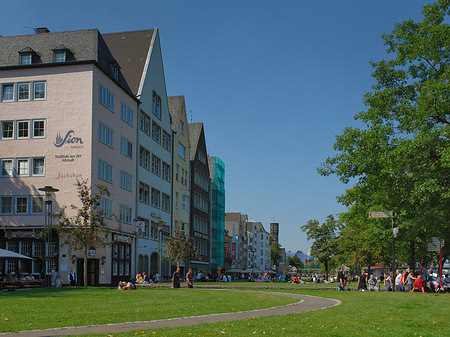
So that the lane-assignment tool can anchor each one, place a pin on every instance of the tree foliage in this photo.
(400, 158)
(294, 261)
(324, 246)
(275, 254)
(87, 227)
(179, 247)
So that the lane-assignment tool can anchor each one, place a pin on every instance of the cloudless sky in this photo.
(273, 82)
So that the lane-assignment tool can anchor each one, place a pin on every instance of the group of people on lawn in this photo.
(408, 280)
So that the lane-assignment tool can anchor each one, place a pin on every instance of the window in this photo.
(176, 199)
(106, 207)
(25, 58)
(125, 214)
(38, 129)
(23, 167)
(116, 73)
(177, 167)
(105, 171)
(156, 165)
(156, 132)
(126, 180)
(8, 130)
(59, 56)
(144, 123)
(166, 141)
(22, 129)
(144, 158)
(21, 205)
(156, 105)
(156, 195)
(106, 98)
(144, 193)
(201, 180)
(7, 167)
(126, 114)
(201, 202)
(37, 205)
(202, 157)
(166, 172)
(183, 202)
(39, 91)
(6, 205)
(23, 91)
(105, 134)
(38, 166)
(184, 177)
(126, 147)
(165, 203)
(181, 151)
(181, 128)
(7, 92)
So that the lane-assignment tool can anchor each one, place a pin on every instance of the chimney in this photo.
(42, 30)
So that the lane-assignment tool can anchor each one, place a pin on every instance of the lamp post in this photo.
(49, 190)
(160, 229)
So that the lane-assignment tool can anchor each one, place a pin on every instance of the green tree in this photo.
(400, 158)
(179, 247)
(87, 228)
(324, 235)
(275, 254)
(294, 261)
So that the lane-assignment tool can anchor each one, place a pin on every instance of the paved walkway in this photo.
(305, 303)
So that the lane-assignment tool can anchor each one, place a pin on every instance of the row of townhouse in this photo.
(80, 104)
(250, 244)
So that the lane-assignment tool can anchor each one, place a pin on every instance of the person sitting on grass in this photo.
(372, 283)
(176, 279)
(126, 286)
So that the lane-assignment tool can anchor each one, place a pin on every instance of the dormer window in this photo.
(28, 56)
(116, 73)
(25, 58)
(61, 54)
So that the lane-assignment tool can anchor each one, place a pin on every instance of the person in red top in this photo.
(420, 285)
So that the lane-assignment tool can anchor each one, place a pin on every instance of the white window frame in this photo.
(3, 130)
(26, 84)
(34, 127)
(11, 210)
(33, 198)
(181, 151)
(26, 168)
(105, 171)
(126, 147)
(4, 85)
(11, 160)
(18, 129)
(33, 163)
(105, 134)
(126, 114)
(35, 91)
(126, 180)
(17, 205)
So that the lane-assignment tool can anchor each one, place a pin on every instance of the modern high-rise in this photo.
(217, 176)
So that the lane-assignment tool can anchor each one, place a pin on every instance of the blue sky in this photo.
(273, 82)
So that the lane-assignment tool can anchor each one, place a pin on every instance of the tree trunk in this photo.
(85, 271)
(326, 270)
(412, 255)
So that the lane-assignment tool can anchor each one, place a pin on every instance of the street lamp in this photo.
(49, 190)
(160, 229)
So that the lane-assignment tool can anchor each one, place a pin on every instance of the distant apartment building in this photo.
(139, 55)
(258, 246)
(217, 176)
(200, 210)
(235, 224)
(180, 166)
(66, 113)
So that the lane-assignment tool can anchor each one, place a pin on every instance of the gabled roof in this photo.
(131, 50)
(195, 130)
(176, 104)
(85, 45)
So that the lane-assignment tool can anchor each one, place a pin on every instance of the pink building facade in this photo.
(62, 120)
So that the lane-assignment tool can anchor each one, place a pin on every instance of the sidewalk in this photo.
(305, 303)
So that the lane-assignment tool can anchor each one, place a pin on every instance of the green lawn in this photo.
(47, 308)
(360, 314)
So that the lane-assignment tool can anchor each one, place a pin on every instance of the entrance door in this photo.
(92, 272)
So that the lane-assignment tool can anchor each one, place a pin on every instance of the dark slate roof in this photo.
(176, 110)
(131, 50)
(195, 130)
(85, 46)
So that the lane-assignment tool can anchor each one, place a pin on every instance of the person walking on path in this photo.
(388, 282)
(189, 278)
(176, 279)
